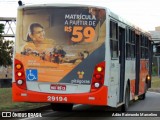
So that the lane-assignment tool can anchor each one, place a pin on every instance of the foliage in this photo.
(6, 103)
(154, 70)
(6, 49)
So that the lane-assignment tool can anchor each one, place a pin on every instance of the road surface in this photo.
(149, 106)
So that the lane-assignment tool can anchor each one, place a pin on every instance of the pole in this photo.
(158, 61)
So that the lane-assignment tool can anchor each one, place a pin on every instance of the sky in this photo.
(142, 13)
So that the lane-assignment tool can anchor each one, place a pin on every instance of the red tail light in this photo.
(98, 76)
(19, 74)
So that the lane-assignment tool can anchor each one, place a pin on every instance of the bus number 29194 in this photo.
(57, 98)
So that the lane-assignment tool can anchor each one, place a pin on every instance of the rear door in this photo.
(122, 62)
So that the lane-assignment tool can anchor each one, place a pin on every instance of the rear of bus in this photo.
(68, 66)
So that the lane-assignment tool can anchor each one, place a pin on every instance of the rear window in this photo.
(54, 40)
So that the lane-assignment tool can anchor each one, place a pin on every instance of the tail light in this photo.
(98, 76)
(19, 74)
(148, 77)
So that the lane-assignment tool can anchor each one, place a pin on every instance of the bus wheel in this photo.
(61, 107)
(126, 101)
(143, 96)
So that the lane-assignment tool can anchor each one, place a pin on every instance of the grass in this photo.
(6, 103)
(155, 84)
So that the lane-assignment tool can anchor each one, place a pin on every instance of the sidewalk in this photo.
(154, 90)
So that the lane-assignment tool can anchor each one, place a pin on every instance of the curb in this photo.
(157, 90)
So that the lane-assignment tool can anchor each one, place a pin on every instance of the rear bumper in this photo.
(98, 97)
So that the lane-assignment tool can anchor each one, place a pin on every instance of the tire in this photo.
(125, 106)
(143, 96)
(61, 107)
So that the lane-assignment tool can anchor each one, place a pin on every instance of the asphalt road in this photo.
(149, 106)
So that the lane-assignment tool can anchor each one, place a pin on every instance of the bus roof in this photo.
(131, 25)
(59, 5)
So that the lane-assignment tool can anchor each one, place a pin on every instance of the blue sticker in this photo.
(32, 74)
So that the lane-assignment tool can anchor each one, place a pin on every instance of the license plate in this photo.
(58, 87)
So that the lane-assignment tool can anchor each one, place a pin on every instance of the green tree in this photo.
(6, 49)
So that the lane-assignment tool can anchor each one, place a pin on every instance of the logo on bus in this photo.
(80, 74)
(32, 74)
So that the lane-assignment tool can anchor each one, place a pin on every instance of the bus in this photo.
(67, 54)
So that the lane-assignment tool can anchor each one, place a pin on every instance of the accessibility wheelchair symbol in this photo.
(32, 74)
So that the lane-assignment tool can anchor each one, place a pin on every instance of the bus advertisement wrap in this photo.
(61, 44)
